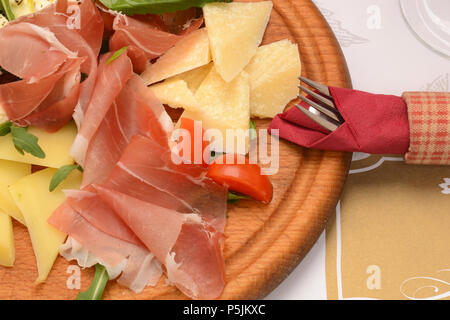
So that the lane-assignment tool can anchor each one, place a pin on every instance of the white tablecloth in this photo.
(384, 55)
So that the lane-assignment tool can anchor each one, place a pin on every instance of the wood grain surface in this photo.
(264, 243)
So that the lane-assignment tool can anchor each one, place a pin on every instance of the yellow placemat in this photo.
(391, 235)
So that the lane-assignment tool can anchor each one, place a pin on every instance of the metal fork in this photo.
(329, 116)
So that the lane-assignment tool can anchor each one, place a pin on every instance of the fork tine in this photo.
(318, 119)
(319, 97)
(320, 108)
(318, 86)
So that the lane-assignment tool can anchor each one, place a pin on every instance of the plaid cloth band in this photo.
(429, 123)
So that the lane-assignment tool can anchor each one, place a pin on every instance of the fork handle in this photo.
(429, 126)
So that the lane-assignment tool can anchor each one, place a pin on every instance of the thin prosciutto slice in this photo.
(111, 79)
(48, 93)
(91, 207)
(47, 36)
(152, 173)
(145, 39)
(135, 111)
(137, 264)
(28, 46)
(189, 249)
(85, 40)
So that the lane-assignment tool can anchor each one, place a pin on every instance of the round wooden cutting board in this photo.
(264, 243)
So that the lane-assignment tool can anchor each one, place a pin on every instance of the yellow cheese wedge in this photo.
(55, 145)
(175, 93)
(273, 72)
(11, 172)
(37, 203)
(189, 53)
(225, 107)
(3, 22)
(21, 7)
(235, 31)
(7, 249)
(194, 78)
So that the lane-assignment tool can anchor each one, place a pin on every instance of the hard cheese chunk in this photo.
(194, 78)
(189, 53)
(55, 145)
(273, 72)
(37, 203)
(224, 107)
(235, 31)
(21, 8)
(7, 250)
(11, 172)
(175, 93)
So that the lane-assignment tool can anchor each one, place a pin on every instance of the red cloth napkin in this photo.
(374, 123)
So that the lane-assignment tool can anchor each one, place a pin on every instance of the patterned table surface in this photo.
(389, 239)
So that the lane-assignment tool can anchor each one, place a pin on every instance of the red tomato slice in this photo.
(241, 177)
(199, 151)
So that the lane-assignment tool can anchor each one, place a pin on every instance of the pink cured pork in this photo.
(141, 268)
(189, 249)
(111, 79)
(171, 206)
(49, 89)
(52, 90)
(85, 39)
(135, 111)
(152, 173)
(144, 38)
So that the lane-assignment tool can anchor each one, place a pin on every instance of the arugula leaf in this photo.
(131, 7)
(95, 291)
(233, 197)
(7, 9)
(253, 134)
(116, 54)
(61, 175)
(5, 128)
(26, 142)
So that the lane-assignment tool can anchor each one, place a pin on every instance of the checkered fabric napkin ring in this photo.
(429, 122)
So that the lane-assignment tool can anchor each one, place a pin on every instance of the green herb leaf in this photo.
(233, 197)
(95, 291)
(5, 128)
(27, 142)
(131, 7)
(116, 54)
(253, 134)
(7, 9)
(61, 175)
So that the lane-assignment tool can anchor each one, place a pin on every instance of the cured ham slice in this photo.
(135, 111)
(92, 208)
(152, 173)
(189, 249)
(46, 104)
(138, 266)
(85, 40)
(111, 79)
(35, 45)
(145, 39)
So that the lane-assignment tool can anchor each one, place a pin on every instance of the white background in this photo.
(385, 56)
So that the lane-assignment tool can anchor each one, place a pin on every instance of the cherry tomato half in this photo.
(241, 177)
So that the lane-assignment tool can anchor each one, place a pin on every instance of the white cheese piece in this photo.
(235, 31)
(225, 108)
(189, 53)
(7, 249)
(31, 194)
(273, 72)
(3, 22)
